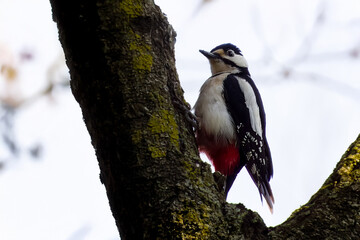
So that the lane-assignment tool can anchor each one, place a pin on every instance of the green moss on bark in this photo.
(131, 8)
(142, 59)
(333, 212)
(350, 170)
(193, 221)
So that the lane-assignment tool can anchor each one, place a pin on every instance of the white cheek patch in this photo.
(238, 60)
(251, 104)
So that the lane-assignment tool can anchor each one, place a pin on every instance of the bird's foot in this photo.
(186, 109)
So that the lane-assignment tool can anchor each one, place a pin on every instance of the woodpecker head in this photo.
(224, 58)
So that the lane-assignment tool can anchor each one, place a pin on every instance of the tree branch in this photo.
(334, 211)
(121, 60)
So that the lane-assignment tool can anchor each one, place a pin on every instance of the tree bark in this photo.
(334, 211)
(121, 60)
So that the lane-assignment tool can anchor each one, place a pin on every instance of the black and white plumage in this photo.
(231, 120)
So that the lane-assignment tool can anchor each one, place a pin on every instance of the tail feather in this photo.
(262, 183)
(265, 190)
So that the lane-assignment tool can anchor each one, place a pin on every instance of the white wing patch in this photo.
(251, 104)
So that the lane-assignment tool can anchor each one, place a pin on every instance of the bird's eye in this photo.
(230, 53)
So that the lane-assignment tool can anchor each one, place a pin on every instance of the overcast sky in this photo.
(304, 58)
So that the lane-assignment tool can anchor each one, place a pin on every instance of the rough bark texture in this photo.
(121, 60)
(334, 211)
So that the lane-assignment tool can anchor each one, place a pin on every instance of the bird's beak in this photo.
(209, 55)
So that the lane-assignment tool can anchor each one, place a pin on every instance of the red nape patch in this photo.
(225, 159)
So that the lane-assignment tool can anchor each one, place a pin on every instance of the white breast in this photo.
(211, 110)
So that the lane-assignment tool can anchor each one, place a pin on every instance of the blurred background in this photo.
(303, 56)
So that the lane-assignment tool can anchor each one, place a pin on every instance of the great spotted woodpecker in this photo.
(231, 120)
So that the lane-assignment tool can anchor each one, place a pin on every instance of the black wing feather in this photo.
(263, 123)
(254, 149)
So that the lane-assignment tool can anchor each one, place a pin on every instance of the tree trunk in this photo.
(121, 60)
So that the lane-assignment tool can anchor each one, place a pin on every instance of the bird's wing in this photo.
(246, 109)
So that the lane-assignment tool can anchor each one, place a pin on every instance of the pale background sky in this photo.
(304, 58)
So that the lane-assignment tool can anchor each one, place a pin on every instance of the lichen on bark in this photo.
(350, 170)
(334, 211)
